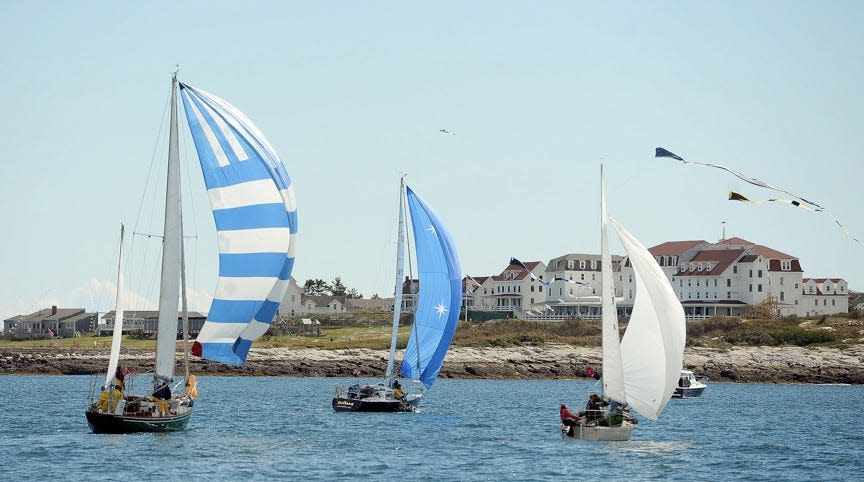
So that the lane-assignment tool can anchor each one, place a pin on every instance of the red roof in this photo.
(763, 251)
(722, 259)
(673, 248)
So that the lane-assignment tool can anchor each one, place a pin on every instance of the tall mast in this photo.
(400, 269)
(613, 376)
(169, 288)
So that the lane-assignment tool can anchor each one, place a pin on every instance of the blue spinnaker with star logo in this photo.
(440, 295)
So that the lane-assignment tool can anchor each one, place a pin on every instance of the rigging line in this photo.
(152, 161)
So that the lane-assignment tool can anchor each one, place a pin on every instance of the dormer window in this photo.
(700, 266)
(785, 265)
(692, 266)
(683, 268)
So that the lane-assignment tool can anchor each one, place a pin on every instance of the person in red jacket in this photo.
(568, 418)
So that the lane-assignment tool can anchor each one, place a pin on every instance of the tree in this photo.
(337, 288)
(316, 287)
(353, 294)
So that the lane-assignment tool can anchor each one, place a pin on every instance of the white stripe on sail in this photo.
(278, 291)
(258, 240)
(292, 248)
(239, 152)
(221, 332)
(221, 158)
(243, 288)
(245, 194)
(289, 199)
(255, 329)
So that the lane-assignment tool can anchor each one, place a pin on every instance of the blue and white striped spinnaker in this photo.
(253, 204)
(440, 297)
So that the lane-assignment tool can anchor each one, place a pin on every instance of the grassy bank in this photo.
(834, 331)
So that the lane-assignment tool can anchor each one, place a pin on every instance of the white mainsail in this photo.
(652, 349)
(397, 293)
(613, 374)
(114, 358)
(169, 290)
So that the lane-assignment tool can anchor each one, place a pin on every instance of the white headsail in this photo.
(652, 349)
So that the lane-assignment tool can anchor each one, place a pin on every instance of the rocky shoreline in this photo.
(738, 364)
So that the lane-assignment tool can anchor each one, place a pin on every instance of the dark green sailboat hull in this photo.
(110, 423)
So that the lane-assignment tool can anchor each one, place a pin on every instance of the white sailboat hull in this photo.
(620, 433)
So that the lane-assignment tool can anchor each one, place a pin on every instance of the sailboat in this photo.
(435, 317)
(253, 205)
(640, 369)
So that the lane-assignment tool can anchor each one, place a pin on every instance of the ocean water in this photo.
(265, 428)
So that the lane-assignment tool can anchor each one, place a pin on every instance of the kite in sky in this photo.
(735, 196)
(661, 152)
(799, 201)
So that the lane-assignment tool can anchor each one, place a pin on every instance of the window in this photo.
(751, 288)
(715, 282)
(593, 277)
(560, 291)
(680, 283)
(781, 281)
(751, 273)
(833, 303)
(782, 296)
(759, 287)
(697, 282)
(532, 288)
(796, 286)
(594, 264)
(728, 282)
(824, 302)
(785, 265)
(759, 273)
(583, 277)
(735, 270)
(700, 266)
(816, 302)
(581, 264)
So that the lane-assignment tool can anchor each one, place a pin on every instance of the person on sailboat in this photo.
(594, 408)
(163, 392)
(568, 418)
(108, 400)
(397, 390)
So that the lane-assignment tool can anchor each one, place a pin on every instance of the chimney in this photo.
(54, 309)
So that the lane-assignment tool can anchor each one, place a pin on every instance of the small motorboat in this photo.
(689, 385)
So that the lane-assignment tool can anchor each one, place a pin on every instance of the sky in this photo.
(536, 96)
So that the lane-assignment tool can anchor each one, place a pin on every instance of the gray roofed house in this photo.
(51, 322)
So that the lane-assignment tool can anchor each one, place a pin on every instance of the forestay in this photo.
(652, 349)
(253, 204)
(440, 297)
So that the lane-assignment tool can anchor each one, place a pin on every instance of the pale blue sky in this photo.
(351, 94)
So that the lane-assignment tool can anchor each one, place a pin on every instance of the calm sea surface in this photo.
(262, 428)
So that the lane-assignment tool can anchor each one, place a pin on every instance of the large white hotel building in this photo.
(729, 278)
